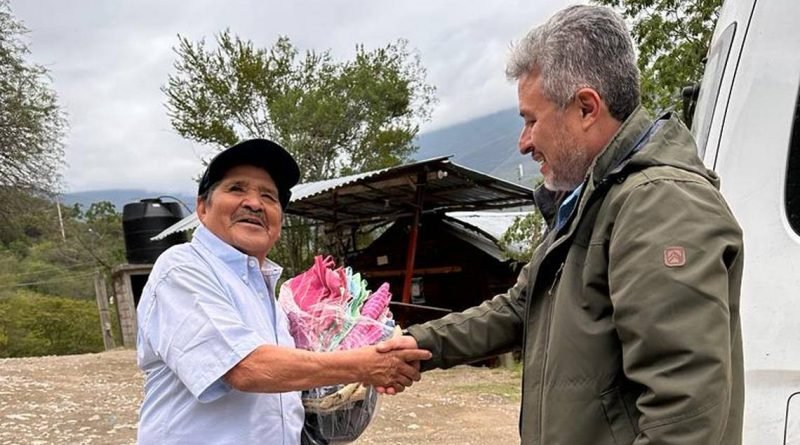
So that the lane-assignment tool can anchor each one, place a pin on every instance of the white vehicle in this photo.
(747, 126)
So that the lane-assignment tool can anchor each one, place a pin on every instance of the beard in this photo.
(568, 166)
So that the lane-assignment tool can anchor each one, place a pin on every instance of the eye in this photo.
(269, 197)
(235, 188)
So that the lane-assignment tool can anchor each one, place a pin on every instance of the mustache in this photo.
(249, 214)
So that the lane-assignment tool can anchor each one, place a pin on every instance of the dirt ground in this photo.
(94, 398)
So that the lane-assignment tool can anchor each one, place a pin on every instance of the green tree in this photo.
(35, 256)
(26, 216)
(335, 117)
(31, 122)
(523, 236)
(672, 37)
(103, 237)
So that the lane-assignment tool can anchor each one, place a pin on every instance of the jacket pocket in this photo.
(619, 420)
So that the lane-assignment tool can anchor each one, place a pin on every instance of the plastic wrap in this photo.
(342, 425)
(332, 309)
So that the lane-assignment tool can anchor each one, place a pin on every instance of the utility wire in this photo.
(31, 283)
(48, 269)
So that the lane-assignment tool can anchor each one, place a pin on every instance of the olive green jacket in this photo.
(628, 317)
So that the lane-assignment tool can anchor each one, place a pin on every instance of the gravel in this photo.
(94, 399)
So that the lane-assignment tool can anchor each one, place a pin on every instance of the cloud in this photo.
(108, 61)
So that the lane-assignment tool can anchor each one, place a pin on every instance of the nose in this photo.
(252, 199)
(525, 143)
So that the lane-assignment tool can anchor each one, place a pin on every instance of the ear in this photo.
(590, 105)
(201, 208)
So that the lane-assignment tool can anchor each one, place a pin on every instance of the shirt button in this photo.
(252, 262)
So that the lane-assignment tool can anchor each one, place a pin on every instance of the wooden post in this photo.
(102, 307)
(411, 253)
(126, 308)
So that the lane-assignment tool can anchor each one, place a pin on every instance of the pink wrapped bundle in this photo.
(318, 283)
(324, 315)
(369, 330)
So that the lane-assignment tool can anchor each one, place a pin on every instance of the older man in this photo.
(220, 364)
(628, 313)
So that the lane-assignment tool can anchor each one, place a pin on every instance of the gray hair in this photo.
(207, 195)
(581, 46)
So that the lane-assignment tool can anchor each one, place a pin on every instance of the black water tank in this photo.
(145, 219)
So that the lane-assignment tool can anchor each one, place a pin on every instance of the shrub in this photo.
(33, 324)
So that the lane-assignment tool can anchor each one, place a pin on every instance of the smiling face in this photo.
(244, 211)
(551, 136)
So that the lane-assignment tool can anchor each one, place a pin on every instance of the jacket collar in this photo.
(613, 154)
(547, 201)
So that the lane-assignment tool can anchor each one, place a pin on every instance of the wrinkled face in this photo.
(551, 136)
(244, 211)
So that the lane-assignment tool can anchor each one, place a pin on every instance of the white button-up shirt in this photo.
(205, 307)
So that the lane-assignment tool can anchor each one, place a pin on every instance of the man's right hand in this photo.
(396, 345)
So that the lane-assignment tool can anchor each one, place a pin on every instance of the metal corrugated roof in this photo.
(187, 223)
(308, 189)
(492, 223)
(483, 229)
(391, 193)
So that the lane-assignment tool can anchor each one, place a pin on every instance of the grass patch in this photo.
(507, 390)
(500, 382)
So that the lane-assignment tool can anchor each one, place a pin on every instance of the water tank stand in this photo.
(123, 277)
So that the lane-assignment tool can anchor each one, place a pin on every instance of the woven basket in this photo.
(345, 396)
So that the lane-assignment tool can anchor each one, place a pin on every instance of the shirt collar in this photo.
(567, 206)
(232, 257)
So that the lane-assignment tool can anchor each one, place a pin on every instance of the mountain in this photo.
(120, 197)
(487, 144)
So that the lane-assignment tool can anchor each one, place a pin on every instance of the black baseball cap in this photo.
(263, 153)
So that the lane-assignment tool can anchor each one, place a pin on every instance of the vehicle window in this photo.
(793, 173)
(709, 89)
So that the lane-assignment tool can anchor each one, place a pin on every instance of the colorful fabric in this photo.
(332, 308)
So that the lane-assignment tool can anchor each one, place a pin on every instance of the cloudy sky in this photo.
(108, 59)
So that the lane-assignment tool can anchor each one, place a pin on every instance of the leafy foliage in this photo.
(47, 296)
(523, 236)
(672, 37)
(334, 117)
(31, 122)
(32, 324)
(98, 231)
(35, 255)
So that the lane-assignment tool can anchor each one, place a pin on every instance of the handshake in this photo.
(393, 365)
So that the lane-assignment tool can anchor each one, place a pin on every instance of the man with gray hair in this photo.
(628, 312)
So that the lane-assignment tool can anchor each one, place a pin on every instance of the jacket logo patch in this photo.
(674, 256)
